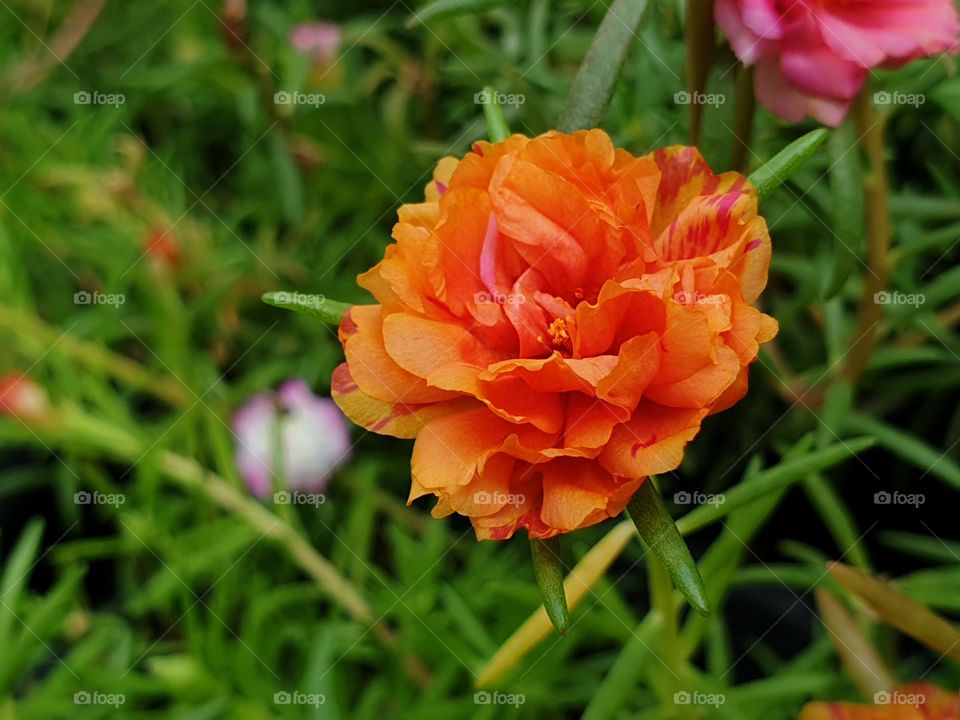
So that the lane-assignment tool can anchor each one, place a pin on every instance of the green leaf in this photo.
(593, 86)
(767, 481)
(909, 448)
(660, 534)
(627, 671)
(41, 622)
(775, 172)
(330, 311)
(933, 549)
(898, 610)
(549, 573)
(289, 184)
(15, 576)
(846, 183)
(838, 519)
(837, 406)
(449, 8)
(497, 129)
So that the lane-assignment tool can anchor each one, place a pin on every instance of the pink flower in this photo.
(320, 40)
(313, 434)
(22, 398)
(812, 56)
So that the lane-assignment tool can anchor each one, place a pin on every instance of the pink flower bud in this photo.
(22, 398)
(320, 40)
(313, 437)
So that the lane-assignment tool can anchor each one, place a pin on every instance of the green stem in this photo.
(665, 606)
(497, 128)
(745, 106)
(870, 128)
(700, 42)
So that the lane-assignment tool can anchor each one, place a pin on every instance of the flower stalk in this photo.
(745, 106)
(700, 45)
(871, 128)
(497, 128)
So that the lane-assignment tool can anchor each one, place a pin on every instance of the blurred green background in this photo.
(187, 607)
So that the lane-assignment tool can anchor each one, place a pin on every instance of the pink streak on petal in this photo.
(488, 255)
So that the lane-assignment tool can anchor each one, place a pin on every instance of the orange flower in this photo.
(554, 323)
(918, 701)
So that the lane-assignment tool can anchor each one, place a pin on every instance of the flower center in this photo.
(560, 333)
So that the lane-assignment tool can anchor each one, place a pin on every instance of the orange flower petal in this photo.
(396, 419)
(372, 368)
(652, 441)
